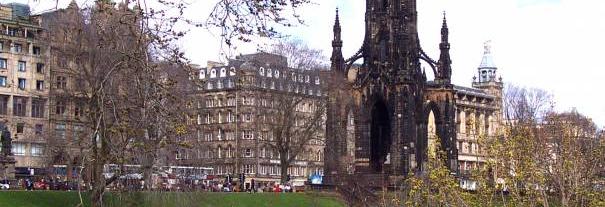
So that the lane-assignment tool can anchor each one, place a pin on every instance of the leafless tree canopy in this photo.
(299, 55)
(525, 104)
(244, 19)
(122, 66)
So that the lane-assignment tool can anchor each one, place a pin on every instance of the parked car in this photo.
(41, 185)
(4, 185)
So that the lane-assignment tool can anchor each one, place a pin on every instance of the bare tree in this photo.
(117, 59)
(245, 19)
(525, 104)
(295, 119)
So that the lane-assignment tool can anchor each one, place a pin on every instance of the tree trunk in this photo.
(98, 184)
(284, 166)
(147, 171)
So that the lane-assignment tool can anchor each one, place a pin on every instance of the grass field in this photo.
(168, 199)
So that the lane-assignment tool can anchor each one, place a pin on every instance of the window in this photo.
(210, 86)
(78, 110)
(3, 63)
(18, 149)
(317, 80)
(248, 169)
(19, 104)
(223, 72)
(38, 129)
(21, 83)
(17, 48)
(247, 101)
(261, 71)
(232, 71)
(4, 104)
(37, 150)
(231, 101)
(248, 152)
(247, 135)
(229, 136)
(307, 79)
(36, 50)
(3, 81)
(61, 82)
(230, 117)
(269, 72)
(60, 107)
(78, 132)
(20, 128)
(219, 84)
(40, 85)
(276, 73)
(209, 137)
(39, 67)
(202, 74)
(213, 73)
(60, 131)
(220, 134)
(38, 108)
(247, 117)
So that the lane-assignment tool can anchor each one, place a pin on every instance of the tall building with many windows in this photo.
(228, 106)
(24, 86)
(478, 116)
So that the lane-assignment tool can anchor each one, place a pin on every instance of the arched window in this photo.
(220, 152)
(202, 74)
(276, 73)
(213, 73)
(223, 72)
(232, 71)
(261, 71)
(307, 79)
(269, 72)
(316, 80)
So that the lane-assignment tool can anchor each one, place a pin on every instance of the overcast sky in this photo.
(555, 45)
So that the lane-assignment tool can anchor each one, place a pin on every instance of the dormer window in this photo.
(202, 74)
(223, 72)
(232, 71)
(213, 73)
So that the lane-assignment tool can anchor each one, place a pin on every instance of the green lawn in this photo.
(169, 199)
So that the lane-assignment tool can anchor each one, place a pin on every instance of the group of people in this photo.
(250, 188)
(44, 184)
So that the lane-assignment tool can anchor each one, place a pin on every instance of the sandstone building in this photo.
(24, 87)
(228, 107)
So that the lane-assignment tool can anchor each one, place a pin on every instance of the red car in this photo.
(41, 185)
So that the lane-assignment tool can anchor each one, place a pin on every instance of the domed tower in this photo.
(488, 79)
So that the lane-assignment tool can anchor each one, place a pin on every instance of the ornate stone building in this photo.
(388, 99)
(228, 108)
(24, 80)
(382, 114)
(478, 116)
